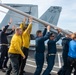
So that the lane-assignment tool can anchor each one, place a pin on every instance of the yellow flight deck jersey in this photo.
(16, 44)
(22, 25)
(26, 35)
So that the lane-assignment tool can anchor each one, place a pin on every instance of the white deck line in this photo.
(59, 60)
(44, 63)
(35, 67)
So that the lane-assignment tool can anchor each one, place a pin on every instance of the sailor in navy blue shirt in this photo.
(72, 56)
(40, 48)
(4, 45)
(51, 52)
(65, 49)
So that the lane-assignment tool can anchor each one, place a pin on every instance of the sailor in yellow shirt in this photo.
(15, 51)
(26, 42)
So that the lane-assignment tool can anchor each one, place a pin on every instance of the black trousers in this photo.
(71, 64)
(50, 64)
(64, 67)
(39, 58)
(4, 56)
(23, 61)
(9, 69)
(14, 59)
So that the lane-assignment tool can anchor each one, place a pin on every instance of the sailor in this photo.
(9, 69)
(4, 45)
(71, 62)
(15, 51)
(26, 30)
(40, 48)
(65, 48)
(51, 52)
(26, 43)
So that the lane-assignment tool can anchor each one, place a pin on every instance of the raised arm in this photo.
(5, 28)
(58, 36)
(22, 25)
(29, 28)
(47, 35)
(11, 32)
(44, 32)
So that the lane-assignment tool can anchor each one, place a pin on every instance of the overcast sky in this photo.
(67, 18)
